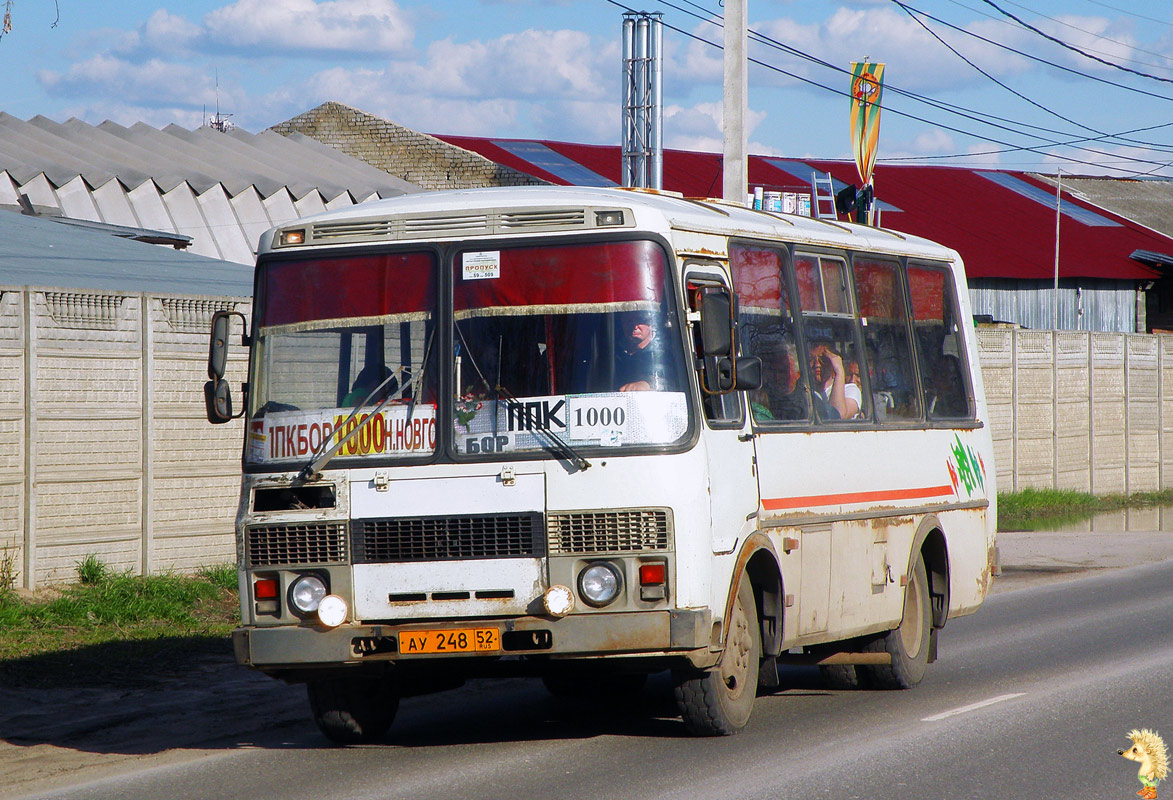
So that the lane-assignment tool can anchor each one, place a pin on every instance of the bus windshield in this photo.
(336, 334)
(551, 346)
(573, 342)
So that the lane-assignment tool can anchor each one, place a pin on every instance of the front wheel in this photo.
(353, 709)
(718, 701)
(908, 644)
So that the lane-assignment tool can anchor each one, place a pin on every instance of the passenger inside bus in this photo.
(370, 378)
(835, 396)
(780, 397)
(640, 365)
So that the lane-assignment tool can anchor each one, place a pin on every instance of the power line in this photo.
(1012, 147)
(1073, 48)
(1130, 13)
(1101, 134)
(1061, 67)
(1098, 36)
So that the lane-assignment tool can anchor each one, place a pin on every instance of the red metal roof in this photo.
(1002, 222)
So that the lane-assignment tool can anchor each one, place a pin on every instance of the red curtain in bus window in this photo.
(380, 287)
(810, 294)
(927, 287)
(757, 279)
(544, 280)
(877, 289)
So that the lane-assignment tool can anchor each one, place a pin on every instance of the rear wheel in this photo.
(718, 701)
(908, 644)
(353, 709)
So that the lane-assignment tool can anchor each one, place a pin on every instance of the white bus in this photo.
(593, 434)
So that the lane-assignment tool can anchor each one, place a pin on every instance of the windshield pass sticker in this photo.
(284, 435)
(482, 265)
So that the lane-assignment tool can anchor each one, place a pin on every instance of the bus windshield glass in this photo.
(338, 334)
(567, 344)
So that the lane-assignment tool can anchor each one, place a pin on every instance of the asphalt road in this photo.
(1031, 697)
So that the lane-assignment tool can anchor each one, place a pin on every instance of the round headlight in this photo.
(306, 592)
(599, 583)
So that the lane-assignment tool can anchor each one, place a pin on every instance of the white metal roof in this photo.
(221, 189)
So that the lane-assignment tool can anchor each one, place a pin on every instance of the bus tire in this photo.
(718, 701)
(840, 677)
(907, 644)
(353, 709)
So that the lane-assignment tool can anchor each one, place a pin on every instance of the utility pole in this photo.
(735, 183)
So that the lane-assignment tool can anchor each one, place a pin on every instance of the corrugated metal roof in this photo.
(35, 251)
(1001, 232)
(221, 189)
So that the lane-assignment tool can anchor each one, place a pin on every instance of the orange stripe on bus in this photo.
(778, 503)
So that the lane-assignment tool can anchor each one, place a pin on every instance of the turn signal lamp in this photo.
(265, 589)
(293, 237)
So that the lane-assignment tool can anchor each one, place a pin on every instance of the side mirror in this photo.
(717, 321)
(218, 345)
(218, 401)
(744, 374)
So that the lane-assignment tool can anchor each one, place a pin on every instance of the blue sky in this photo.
(551, 70)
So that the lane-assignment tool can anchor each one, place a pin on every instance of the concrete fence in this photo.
(104, 447)
(1080, 410)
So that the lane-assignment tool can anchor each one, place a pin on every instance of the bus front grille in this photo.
(618, 531)
(300, 543)
(395, 539)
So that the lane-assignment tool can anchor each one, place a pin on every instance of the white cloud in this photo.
(153, 84)
(343, 26)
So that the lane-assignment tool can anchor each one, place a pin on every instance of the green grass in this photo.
(121, 625)
(1034, 509)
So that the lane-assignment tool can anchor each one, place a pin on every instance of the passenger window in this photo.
(940, 347)
(891, 378)
(832, 349)
(767, 331)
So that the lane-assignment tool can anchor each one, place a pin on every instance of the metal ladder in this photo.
(822, 180)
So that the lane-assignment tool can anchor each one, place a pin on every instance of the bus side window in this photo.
(940, 348)
(879, 292)
(835, 364)
(767, 331)
(721, 410)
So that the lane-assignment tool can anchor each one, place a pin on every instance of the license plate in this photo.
(456, 640)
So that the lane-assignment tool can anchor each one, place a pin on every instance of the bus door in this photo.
(729, 449)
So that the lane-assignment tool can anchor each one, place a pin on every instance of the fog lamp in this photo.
(558, 600)
(599, 583)
(332, 611)
(306, 593)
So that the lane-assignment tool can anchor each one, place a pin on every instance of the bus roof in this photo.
(542, 210)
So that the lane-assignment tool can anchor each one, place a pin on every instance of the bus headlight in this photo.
(599, 583)
(306, 593)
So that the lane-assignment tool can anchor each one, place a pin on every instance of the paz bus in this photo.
(588, 435)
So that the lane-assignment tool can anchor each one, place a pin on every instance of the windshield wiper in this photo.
(319, 459)
(550, 440)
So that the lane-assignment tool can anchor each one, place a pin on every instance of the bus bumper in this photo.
(628, 633)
